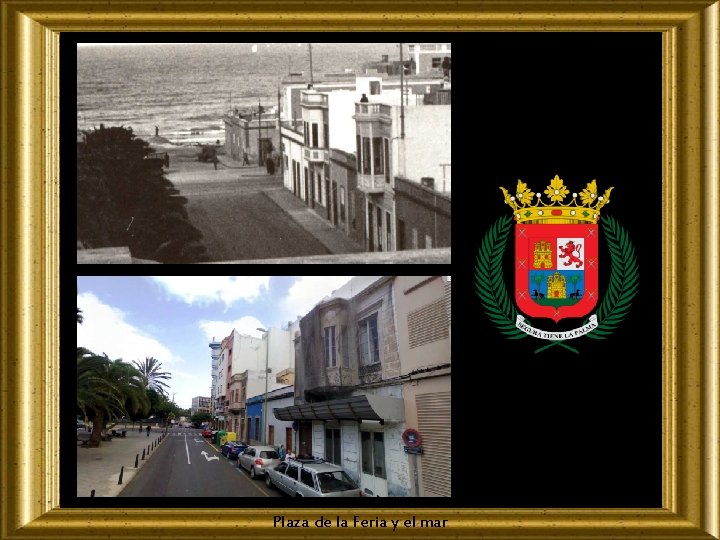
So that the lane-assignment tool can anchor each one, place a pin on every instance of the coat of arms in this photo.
(557, 265)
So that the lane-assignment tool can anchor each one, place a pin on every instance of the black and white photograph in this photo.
(272, 152)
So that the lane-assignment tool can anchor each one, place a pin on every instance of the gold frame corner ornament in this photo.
(29, 260)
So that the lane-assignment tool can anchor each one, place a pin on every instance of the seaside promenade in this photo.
(99, 468)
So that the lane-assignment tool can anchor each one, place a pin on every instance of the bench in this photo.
(84, 437)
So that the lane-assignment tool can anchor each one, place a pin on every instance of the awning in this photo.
(367, 407)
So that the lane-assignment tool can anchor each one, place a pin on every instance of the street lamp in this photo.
(267, 354)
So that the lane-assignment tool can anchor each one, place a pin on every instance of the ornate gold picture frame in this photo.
(29, 262)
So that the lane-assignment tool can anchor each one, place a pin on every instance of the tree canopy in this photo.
(124, 199)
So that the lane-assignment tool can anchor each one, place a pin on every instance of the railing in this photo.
(372, 108)
(314, 154)
(371, 183)
(314, 98)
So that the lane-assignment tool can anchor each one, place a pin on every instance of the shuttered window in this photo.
(428, 323)
(434, 424)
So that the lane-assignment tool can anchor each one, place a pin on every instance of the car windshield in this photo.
(269, 454)
(335, 481)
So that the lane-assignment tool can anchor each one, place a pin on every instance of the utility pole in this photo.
(311, 69)
(282, 161)
(264, 408)
(402, 95)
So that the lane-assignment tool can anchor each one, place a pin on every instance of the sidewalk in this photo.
(330, 237)
(99, 468)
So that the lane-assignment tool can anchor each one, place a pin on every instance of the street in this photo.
(187, 465)
(236, 219)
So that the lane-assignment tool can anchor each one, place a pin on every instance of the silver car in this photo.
(311, 478)
(256, 459)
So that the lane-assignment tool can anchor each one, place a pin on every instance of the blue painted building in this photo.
(254, 413)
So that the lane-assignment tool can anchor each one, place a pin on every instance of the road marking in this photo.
(187, 451)
(204, 453)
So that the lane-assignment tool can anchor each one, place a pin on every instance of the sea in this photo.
(185, 88)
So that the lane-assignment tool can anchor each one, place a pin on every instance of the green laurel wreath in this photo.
(614, 307)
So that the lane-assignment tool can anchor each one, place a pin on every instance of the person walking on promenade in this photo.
(147, 429)
(215, 162)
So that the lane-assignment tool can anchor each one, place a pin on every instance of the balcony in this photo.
(317, 155)
(371, 183)
(237, 407)
(372, 111)
(314, 99)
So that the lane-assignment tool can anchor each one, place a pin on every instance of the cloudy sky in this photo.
(174, 318)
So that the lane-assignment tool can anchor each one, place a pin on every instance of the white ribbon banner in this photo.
(556, 336)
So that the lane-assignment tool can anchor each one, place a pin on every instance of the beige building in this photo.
(422, 314)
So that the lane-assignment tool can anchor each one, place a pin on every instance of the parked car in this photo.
(256, 459)
(207, 433)
(311, 478)
(231, 449)
(237, 449)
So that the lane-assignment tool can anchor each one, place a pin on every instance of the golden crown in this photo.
(528, 207)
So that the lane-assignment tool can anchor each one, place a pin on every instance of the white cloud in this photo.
(206, 290)
(306, 292)
(105, 330)
(221, 329)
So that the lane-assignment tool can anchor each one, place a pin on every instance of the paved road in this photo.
(186, 465)
(237, 219)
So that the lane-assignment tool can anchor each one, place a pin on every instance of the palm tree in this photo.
(108, 388)
(574, 278)
(151, 375)
(538, 278)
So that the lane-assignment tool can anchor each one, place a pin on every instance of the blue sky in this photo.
(174, 318)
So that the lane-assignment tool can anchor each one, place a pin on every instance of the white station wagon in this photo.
(311, 478)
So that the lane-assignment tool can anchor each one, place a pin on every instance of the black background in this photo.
(553, 429)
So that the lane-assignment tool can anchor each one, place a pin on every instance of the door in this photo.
(305, 442)
(371, 245)
(271, 436)
(288, 438)
(373, 472)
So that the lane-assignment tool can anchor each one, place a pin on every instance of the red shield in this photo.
(556, 269)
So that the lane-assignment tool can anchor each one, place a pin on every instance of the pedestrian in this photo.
(147, 429)
(215, 162)
(246, 161)
(446, 67)
(289, 455)
(167, 161)
(364, 99)
(270, 165)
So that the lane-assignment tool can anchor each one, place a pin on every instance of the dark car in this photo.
(231, 449)
(237, 449)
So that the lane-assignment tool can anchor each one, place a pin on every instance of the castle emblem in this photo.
(557, 264)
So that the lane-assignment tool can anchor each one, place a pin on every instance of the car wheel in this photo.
(252, 473)
(268, 481)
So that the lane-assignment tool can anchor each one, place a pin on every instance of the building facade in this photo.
(422, 312)
(348, 396)
(200, 404)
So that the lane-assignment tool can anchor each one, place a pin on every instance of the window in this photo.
(358, 161)
(437, 62)
(319, 187)
(373, 453)
(292, 471)
(379, 235)
(378, 156)
(305, 133)
(314, 135)
(342, 204)
(330, 349)
(428, 241)
(368, 340)
(366, 156)
(332, 446)
(344, 342)
(326, 135)
(374, 88)
(387, 161)
(388, 231)
(306, 478)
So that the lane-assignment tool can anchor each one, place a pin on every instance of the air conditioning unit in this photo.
(428, 182)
